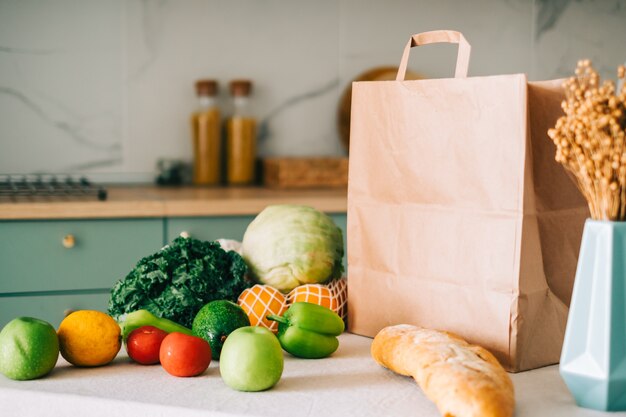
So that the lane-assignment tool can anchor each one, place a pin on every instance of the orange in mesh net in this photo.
(261, 300)
(332, 295)
(339, 288)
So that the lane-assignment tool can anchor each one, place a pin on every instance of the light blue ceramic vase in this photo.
(593, 360)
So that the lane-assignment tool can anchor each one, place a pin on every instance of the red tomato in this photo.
(184, 355)
(143, 344)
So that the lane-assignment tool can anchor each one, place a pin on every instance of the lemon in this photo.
(89, 338)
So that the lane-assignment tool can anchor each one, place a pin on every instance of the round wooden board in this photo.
(374, 74)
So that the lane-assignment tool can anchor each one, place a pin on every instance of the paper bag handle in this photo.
(438, 36)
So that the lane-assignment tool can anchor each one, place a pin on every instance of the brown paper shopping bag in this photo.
(459, 219)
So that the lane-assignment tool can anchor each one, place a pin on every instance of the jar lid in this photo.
(240, 87)
(206, 87)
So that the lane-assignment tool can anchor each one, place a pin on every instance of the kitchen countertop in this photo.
(347, 384)
(152, 201)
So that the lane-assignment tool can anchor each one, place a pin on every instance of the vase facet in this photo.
(593, 360)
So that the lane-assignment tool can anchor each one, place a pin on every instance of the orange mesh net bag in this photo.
(261, 300)
(333, 295)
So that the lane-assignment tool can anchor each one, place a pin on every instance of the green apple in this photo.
(29, 348)
(251, 359)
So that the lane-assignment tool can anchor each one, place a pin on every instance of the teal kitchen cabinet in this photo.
(340, 220)
(56, 255)
(50, 307)
(207, 228)
(51, 267)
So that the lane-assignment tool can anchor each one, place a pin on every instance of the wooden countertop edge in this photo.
(153, 207)
(81, 210)
(249, 206)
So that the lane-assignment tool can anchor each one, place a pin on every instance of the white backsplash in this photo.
(106, 87)
(62, 85)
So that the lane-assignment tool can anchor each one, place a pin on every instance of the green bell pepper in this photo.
(309, 330)
(141, 318)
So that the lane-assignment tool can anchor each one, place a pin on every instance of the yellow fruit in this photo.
(339, 288)
(333, 295)
(261, 300)
(89, 338)
(315, 294)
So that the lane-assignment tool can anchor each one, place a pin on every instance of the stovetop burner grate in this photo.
(48, 185)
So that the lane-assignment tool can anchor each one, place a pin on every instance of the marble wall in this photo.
(106, 87)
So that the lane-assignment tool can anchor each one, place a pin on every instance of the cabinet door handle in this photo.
(69, 241)
(185, 234)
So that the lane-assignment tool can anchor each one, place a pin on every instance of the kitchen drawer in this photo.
(208, 228)
(232, 227)
(51, 308)
(33, 256)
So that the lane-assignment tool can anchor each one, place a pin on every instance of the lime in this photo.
(29, 348)
(216, 320)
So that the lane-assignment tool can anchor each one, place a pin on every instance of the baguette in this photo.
(462, 380)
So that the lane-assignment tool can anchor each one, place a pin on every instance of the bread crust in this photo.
(462, 380)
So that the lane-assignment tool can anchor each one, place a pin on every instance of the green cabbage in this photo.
(289, 245)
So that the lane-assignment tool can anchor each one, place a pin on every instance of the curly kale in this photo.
(179, 279)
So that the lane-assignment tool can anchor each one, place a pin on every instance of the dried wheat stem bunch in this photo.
(590, 137)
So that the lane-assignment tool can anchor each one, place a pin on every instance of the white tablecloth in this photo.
(347, 384)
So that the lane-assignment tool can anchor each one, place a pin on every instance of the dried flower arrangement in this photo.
(590, 140)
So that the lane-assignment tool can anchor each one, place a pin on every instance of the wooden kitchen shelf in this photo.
(150, 201)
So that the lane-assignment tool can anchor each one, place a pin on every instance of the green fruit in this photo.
(216, 320)
(252, 359)
(29, 348)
